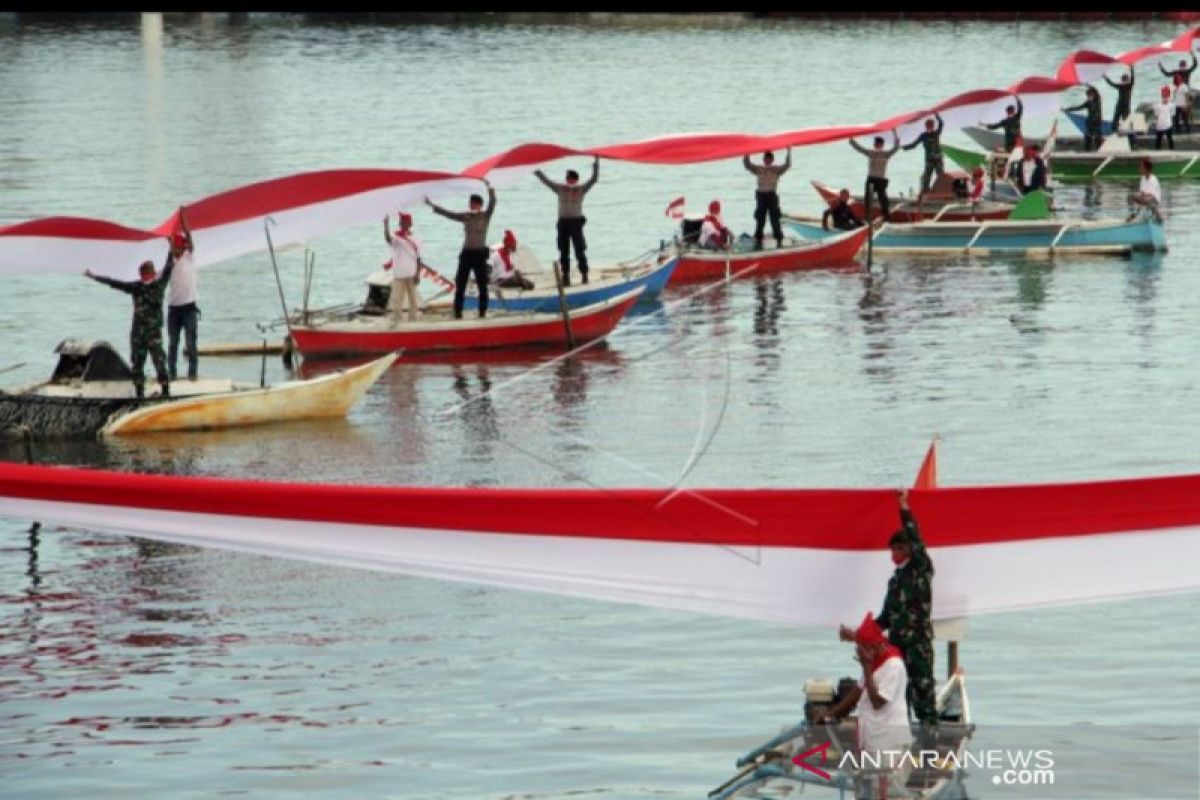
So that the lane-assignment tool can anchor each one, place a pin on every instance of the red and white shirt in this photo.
(406, 255)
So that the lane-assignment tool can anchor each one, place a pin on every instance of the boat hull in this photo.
(906, 209)
(324, 396)
(377, 335)
(1028, 237)
(1081, 167)
(605, 284)
(836, 250)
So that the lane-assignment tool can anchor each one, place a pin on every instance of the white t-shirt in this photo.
(182, 288)
(1027, 168)
(500, 270)
(709, 231)
(1164, 114)
(885, 728)
(1183, 96)
(1150, 185)
(405, 255)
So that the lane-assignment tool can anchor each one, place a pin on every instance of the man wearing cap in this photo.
(145, 334)
(907, 613)
(879, 703)
(503, 265)
(713, 233)
(474, 255)
(182, 311)
(766, 195)
(406, 267)
(571, 219)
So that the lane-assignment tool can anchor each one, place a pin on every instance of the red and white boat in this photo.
(359, 333)
(941, 204)
(697, 265)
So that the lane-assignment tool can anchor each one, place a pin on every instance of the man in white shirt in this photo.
(713, 233)
(503, 265)
(406, 267)
(880, 705)
(1164, 120)
(182, 311)
(1149, 193)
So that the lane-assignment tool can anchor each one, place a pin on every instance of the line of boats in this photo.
(90, 391)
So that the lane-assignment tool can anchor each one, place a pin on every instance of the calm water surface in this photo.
(130, 666)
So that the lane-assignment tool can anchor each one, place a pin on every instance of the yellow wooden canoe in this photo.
(329, 395)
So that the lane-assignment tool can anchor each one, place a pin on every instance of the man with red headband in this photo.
(145, 334)
(406, 267)
(571, 219)
(879, 703)
(907, 613)
(1164, 119)
(182, 311)
(713, 233)
(503, 264)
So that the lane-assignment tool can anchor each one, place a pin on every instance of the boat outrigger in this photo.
(827, 755)
(91, 393)
(1113, 161)
(946, 201)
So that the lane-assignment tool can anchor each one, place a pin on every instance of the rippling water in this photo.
(130, 666)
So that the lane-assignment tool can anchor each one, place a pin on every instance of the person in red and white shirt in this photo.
(503, 264)
(713, 233)
(406, 267)
(879, 703)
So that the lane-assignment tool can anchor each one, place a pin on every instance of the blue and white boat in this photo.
(1006, 237)
(604, 284)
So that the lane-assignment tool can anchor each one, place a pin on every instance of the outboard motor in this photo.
(690, 229)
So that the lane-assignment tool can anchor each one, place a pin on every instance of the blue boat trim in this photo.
(545, 298)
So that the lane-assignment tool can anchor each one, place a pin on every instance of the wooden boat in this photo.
(91, 393)
(604, 283)
(941, 203)
(771, 770)
(355, 333)
(1100, 165)
(696, 264)
(1006, 237)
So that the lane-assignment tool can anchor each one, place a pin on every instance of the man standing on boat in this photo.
(1011, 124)
(182, 311)
(473, 258)
(877, 161)
(1124, 95)
(879, 704)
(1184, 70)
(931, 139)
(571, 219)
(907, 613)
(766, 195)
(406, 267)
(145, 334)
(1091, 130)
(1164, 119)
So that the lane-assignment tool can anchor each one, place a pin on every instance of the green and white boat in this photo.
(1122, 165)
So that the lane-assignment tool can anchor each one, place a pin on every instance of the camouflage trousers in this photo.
(922, 688)
(144, 342)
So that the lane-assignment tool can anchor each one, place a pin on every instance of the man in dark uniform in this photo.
(907, 613)
(473, 258)
(931, 139)
(571, 219)
(1124, 96)
(766, 195)
(1091, 131)
(145, 334)
(842, 215)
(1183, 70)
(1011, 125)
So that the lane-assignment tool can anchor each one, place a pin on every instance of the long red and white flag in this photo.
(73, 244)
(803, 556)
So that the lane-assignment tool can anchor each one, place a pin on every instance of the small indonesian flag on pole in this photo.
(927, 475)
(437, 277)
(675, 208)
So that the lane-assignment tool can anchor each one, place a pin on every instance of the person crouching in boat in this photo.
(907, 613)
(473, 258)
(1011, 125)
(503, 265)
(1095, 113)
(1031, 172)
(766, 195)
(406, 267)
(931, 139)
(880, 705)
(145, 333)
(713, 233)
(840, 212)
(1148, 195)
(877, 161)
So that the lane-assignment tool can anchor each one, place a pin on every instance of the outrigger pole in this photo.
(287, 319)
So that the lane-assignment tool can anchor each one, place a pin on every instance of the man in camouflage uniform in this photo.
(907, 613)
(145, 334)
